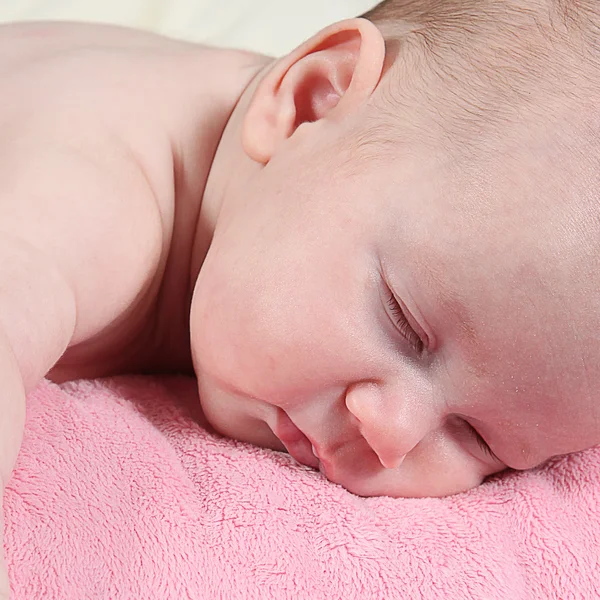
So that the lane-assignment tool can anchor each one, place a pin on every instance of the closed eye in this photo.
(482, 443)
(402, 324)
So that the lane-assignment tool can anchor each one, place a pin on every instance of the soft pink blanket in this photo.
(120, 493)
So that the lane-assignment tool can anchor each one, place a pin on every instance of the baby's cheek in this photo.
(215, 351)
(231, 342)
(438, 466)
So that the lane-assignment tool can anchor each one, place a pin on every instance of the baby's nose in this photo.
(391, 425)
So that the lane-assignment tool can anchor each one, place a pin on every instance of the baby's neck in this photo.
(229, 162)
(223, 76)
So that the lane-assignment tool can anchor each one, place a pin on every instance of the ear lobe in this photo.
(329, 75)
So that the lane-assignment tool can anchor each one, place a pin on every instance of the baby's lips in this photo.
(296, 443)
(301, 451)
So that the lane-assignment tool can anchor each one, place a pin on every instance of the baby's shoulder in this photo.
(104, 91)
(107, 135)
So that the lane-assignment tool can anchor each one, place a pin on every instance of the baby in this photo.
(379, 252)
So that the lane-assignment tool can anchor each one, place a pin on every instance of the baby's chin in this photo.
(363, 475)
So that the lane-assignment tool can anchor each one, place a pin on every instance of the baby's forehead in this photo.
(541, 164)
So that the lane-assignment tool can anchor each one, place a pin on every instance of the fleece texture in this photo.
(121, 493)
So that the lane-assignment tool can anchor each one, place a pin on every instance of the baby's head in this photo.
(404, 266)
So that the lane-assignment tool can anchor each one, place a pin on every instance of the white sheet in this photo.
(269, 26)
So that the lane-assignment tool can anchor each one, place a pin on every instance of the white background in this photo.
(269, 26)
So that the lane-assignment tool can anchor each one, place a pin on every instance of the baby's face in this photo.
(402, 314)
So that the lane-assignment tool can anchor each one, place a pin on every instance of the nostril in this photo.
(388, 460)
(366, 406)
(391, 462)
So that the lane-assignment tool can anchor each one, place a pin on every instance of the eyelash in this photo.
(482, 443)
(404, 326)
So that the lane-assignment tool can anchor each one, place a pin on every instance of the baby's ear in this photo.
(329, 75)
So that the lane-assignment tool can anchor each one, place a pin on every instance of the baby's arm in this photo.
(37, 318)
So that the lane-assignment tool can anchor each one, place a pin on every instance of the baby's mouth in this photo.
(295, 442)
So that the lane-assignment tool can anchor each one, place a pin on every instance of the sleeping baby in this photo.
(378, 253)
